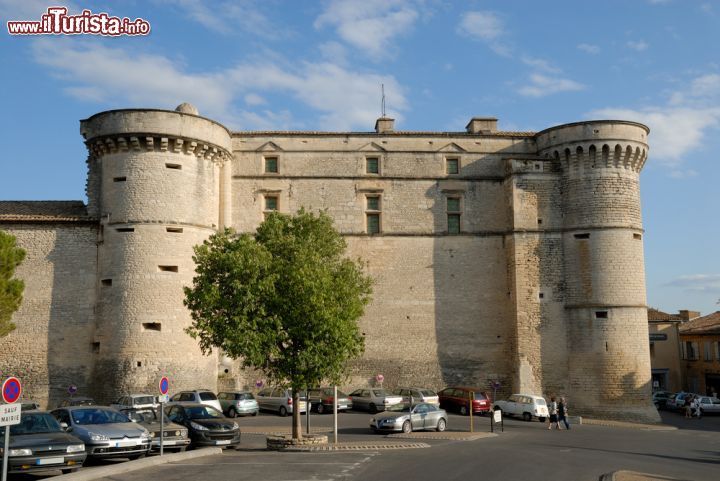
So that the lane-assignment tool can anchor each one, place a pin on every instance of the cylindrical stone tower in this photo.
(605, 302)
(155, 182)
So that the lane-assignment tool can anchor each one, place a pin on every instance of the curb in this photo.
(360, 446)
(128, 466)
(445, 436)
(623, 475)
(627, 424)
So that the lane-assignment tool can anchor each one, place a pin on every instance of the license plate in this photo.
(342, 406)
(59, 460)
(220, 443)
(123, 444)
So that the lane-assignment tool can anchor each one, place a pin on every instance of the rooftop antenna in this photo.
(382, 106)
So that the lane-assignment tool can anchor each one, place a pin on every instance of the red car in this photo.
(458, 399)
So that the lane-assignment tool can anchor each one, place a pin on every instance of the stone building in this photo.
(667, 372)
(700, 351)
(497, 256)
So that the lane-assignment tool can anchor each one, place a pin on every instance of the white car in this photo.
(135, 401)
(709, 405)
(374, 399)
(525, 405)
(202, 396)
(278, 399)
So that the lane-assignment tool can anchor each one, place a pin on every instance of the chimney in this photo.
(481, 125)
(384, 125)
(687, 315)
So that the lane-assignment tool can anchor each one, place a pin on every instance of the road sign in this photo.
(72, 389)
(11, 390)
(164, 385)
(380, 378)
(9, 414)
(163, 398)
(258, 383)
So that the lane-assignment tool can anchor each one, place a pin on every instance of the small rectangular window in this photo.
(152, 326)
(373, 223)
(452, 166)
(372, 165)
(271, 165)
(453, 223)
(708, 351)
(168, 268)
(106, 282)
(271, 202)
(637, 236)
(173, 166)
(601, 314)
(119, 179)
(175, 230)
(373, 203)
(95, 347)
(582, 236)
(125, 229)
(453, 204)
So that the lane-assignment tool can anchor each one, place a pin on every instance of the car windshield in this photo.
(380, 393)
(203, 412)
(144, 415)
(207, 396)
(540, 402)
(98, 416)
(480, 396)
(35, 423)
(243, 396)
(428, 392)
(400, 407)
(144, 400)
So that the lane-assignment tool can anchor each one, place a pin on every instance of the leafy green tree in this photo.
(11, 290)
(285, 301)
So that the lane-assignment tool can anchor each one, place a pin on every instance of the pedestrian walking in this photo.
(553, 408)
(688, 406)
(695, 406)
(562, 413)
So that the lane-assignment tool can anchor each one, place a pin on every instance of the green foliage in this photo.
(11, 290)
(285, 301)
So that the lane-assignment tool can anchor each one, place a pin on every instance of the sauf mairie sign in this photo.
(9, 414)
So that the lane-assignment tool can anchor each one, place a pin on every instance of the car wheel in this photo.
(407, 427)
(320, 408)
(232, 413)
(463, 410)
(282, 411)
(373, 408)
(255, 413)
(527, 417)
(442, 424)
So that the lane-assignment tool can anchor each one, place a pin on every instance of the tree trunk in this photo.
(296, 426)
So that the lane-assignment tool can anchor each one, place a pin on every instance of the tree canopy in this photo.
(11, 290)
(285, 301)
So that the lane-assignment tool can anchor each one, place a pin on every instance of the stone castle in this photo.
(509, 257)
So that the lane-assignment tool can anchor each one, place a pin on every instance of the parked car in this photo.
(135, 401)
(660, 399)
(321, 399)
(206, 425)
(39, 443)
(278, 399)
(677, 401)
(458, 399)
(30, 406)
(405, 418)
(526, 406)
(373, 399)
(709, 405)
(77, 401)
(201, 396)
(106, 432)
(418, 395)
(174, 436)
(236, 403)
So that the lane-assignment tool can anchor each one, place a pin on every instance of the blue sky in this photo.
(271, 64)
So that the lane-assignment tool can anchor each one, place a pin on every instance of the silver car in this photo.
(404, 418)
(278, 399)
(709, 405)
(418, 395)
(106, 432)
(238, 403)
(174, 436)
(373, 399)
(202, 396)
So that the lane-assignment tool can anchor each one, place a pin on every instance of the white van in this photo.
(525, 405)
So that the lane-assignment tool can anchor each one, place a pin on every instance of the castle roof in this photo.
(397, 133)
(658, 315)
(18, 211)
(709, 324)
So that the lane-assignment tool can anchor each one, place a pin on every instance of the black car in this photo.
(38, 443)
(206, 425)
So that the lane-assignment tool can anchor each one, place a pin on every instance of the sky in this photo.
(318, 65)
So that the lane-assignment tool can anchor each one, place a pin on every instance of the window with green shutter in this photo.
(271, 165)
(373, 223)
(452, 166)
(372, 165)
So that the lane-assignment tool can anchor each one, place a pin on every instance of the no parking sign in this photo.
(11, 390)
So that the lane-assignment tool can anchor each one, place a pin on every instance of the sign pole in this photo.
(472, 396)
(164, 388)
(335, 415)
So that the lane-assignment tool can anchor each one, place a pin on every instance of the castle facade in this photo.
(507, 257)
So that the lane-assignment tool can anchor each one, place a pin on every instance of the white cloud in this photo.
(370, 25)
(640, 45)
(589, 48)
(229, 16)
(344, 99)
(697, 282)
(334, 52)
(540, 64)
(680, 126)
(542, 85)
(484, 26)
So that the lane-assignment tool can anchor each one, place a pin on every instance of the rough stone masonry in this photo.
(514, 257)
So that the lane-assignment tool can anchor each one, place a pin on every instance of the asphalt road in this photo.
(523, 451)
